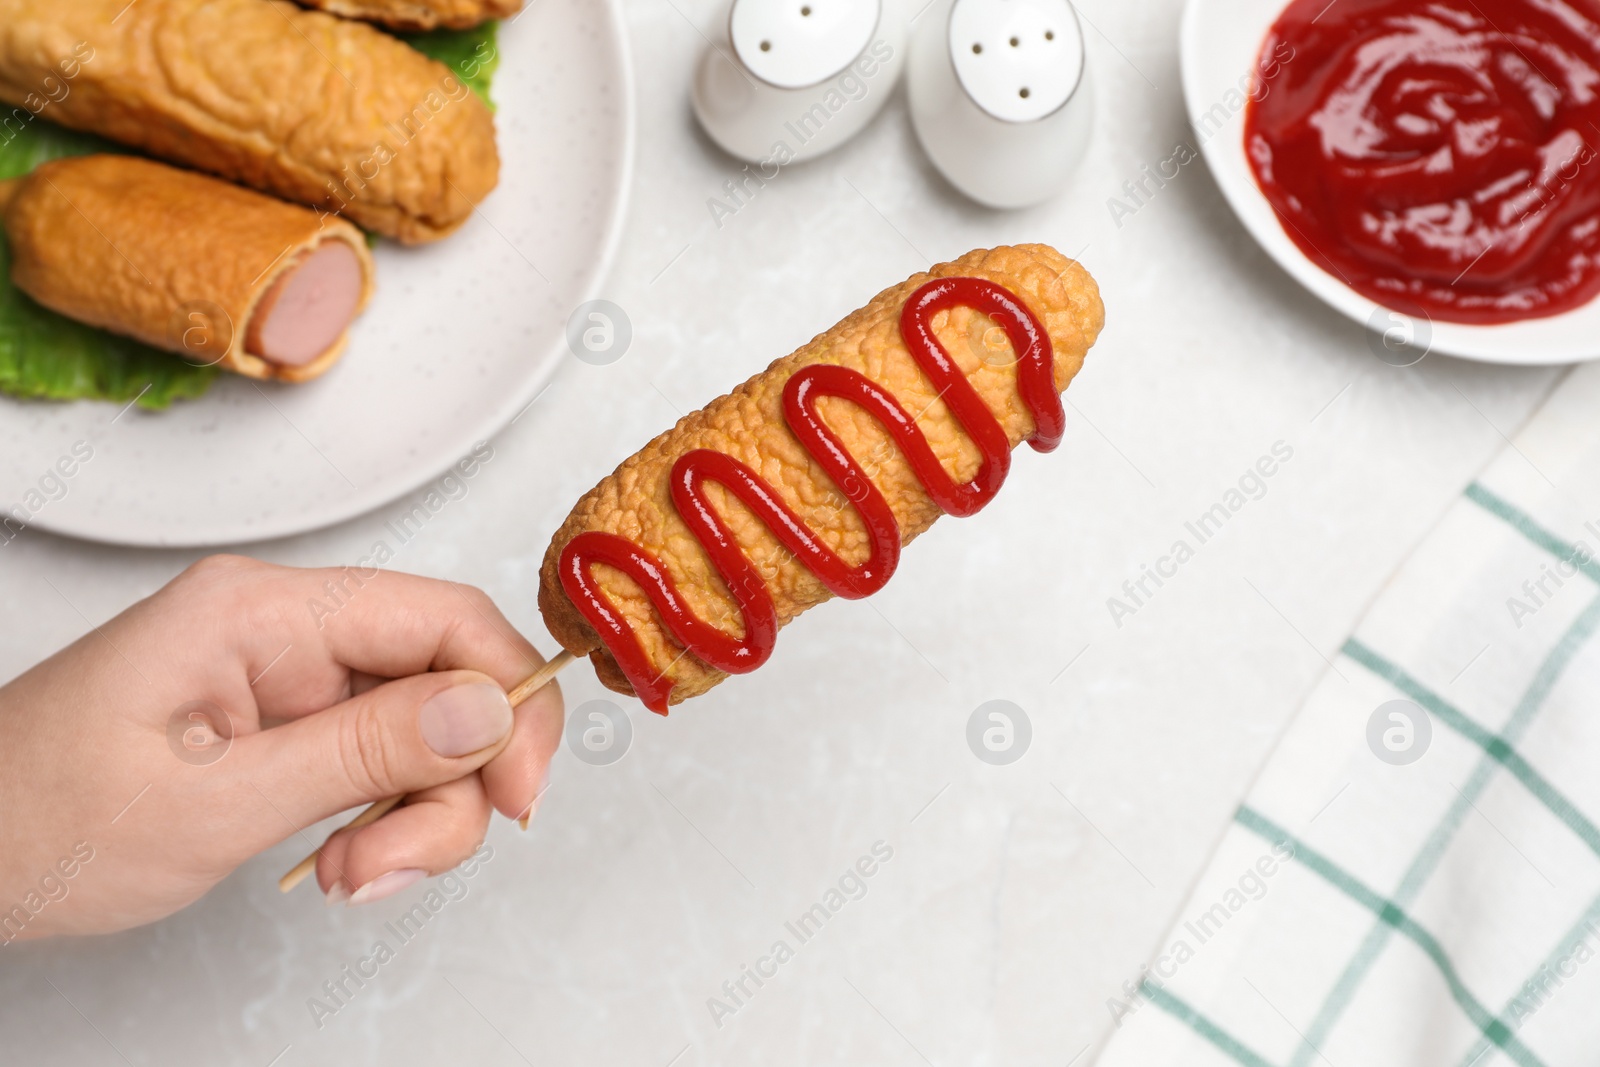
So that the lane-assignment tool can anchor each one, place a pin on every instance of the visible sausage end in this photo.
(308, 307)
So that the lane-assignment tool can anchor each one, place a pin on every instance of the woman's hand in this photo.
(241, 704)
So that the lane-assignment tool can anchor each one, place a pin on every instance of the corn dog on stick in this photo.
(303, 105)
(420, 14)
(804, 482)
(197, 266)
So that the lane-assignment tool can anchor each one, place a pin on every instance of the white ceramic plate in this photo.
(1220, 42)
(460, 337)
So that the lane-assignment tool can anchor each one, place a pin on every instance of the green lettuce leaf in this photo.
(46, 356)
(472, 54)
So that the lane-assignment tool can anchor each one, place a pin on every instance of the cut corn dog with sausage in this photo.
(804, 482)
(309, 107)
(184, 262)
(413, 15)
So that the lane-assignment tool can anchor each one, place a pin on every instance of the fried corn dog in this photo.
(806, 480)
(420, 14)
(309, 107)
(197, 266)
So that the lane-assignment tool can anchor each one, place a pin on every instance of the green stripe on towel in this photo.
(1438, 842)
(1394, 915)
(1226, 1042)
(1496, 746)
(1524, 524)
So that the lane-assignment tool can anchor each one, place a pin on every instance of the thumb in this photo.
(403, 736)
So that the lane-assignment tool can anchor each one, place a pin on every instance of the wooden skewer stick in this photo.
(529, 686)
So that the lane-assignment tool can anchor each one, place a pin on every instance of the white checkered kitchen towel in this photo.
(1414, 878)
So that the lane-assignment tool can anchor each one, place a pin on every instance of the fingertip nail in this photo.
(465, 719)
(338, 893)
(387, 885)
(533, 805)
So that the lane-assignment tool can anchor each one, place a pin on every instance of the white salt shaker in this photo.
(791, 79)
(1000, 96)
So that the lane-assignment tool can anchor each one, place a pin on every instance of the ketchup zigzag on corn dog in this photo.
(681, 567)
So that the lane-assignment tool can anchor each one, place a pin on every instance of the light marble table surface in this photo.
(1018, 898)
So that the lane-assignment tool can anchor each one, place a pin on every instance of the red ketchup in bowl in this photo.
(1441, 157)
